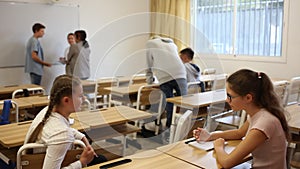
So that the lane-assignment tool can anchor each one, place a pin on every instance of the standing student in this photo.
(162, 57)
(52, 127)
(63, 60)
(79, 56)
(192, 70)
(266, 130)
(35, 56)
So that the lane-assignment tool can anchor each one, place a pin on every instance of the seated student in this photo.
(266, 130)
(52, 127)
(192, 70)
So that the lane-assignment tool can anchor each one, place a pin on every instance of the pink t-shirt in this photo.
(272, 153)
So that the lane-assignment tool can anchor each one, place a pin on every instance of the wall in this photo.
(117, 32)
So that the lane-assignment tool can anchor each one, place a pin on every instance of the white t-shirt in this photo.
(272, 153)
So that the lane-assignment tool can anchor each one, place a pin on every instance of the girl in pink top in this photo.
(266, 130)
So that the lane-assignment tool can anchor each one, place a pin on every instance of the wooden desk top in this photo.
(12, 88)
(199, 99)
(110, 116)
(294, 117)
(12, 135)
(200, 158)
(149, 159)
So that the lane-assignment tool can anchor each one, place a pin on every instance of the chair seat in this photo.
(295, 162)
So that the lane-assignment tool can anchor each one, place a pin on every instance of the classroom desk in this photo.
(193, 101)
(294, 117)
(6, 91)
(13, 135)
(149, 159)
(111, 122)
(197, 157)
(110, 116)
(124, 94)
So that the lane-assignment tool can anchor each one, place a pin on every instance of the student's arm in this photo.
(202, 135)
(149, 72)
(37, 59)
(235, 134)
(253, 139)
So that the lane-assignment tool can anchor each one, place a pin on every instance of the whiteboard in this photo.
(16, 28)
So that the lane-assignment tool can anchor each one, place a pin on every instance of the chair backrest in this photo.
(209, 71)
(293, 91)
(28, 92)
(101, 84)
(183, 126)
(194, 87)
(29, 161)
(149, 95)
(137, 79)
(219, 82)
(280, 88)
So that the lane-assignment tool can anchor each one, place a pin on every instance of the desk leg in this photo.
(172, 130)
(124, 145)
(109, 100)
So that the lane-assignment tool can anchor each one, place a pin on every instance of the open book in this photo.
(207, 145)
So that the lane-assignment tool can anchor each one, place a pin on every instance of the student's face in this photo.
(77, 98)
(235, 101)
(40, 33)
(71, 39)
(184, 58)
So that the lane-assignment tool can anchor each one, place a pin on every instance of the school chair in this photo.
(152, 97)
(137, 79)
(209, 71)
(28, 92)
(101, 95)
(29, 161)
(194, 87)
(280, 88)
(293, 92)
(6, 110)
(183, 127)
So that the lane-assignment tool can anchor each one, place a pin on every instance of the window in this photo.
(239, 27)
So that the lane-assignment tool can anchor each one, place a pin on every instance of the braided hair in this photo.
(261, 87)
(62, 86)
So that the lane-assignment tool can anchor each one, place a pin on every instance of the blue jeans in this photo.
(180, 87)
(35, 79)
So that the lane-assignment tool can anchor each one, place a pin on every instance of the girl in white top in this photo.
(52, 127)
(266, 130)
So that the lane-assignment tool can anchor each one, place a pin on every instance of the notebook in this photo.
(207, 145)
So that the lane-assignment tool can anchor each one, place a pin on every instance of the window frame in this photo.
(237, 57)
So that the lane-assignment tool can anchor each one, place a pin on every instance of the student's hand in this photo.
(47, 64)
(220, 142)
(62, 60)
(87, 155)
(201, 134)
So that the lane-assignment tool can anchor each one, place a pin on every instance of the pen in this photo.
(192, 140)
